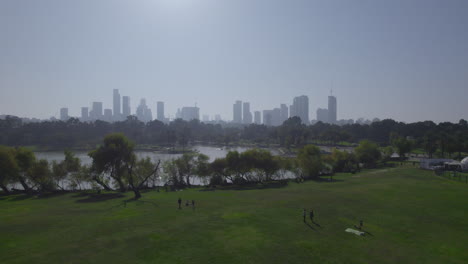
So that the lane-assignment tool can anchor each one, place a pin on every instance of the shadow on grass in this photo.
(310, 226)
(92, 198)
(317, 224)
(362, 230)
(51, 194)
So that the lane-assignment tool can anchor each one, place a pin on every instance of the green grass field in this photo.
(412, 216)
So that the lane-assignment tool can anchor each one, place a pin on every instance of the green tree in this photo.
(40, 174)
(114, 157)
(402, 145)
(8, 167)
(310, 161)
(368, 153)
(139, 172)
(25, 159)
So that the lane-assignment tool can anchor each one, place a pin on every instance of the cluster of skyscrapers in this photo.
(242, 113)
(276, 116)
(121, 109)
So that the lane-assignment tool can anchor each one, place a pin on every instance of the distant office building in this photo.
(284, 113)
(272, 117)
(322, 115)
(64, 114)
(143, 113)
(96, 112)
(300, 108)
(126, 106)
(116, 105)
(276, 117)
(332, 109)
(206, 118)
(247, 115)
(267, 117)
(217, 118)
(160, 111)
(237, 112)
(190, 112)
(107, 115)
(84, 114)
(257, 117)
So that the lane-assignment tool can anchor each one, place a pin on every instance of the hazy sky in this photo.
(401, 59)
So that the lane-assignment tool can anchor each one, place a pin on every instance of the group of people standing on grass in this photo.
(187, 203)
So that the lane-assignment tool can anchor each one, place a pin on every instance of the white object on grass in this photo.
(356, 232)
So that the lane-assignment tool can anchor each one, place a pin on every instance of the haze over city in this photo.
(404, 60)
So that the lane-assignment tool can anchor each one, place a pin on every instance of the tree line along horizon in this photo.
(441, 140)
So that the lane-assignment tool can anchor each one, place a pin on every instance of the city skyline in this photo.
(404, 60)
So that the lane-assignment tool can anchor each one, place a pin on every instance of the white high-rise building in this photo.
(322, 115)
(237, 112)
(64, 114)
(160, 111)
(116, 105)
(247, 115)
(300, 108)
(126, 106)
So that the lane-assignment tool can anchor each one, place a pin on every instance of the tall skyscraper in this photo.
(84, 114)
(284, 113)
(96, 112)
(322, 115)
(267, 117)
(276, 117)
(107, 115)
(116, 105)
(247, 115)
(64, 114)
(126, 106)
(160, 111)
(332, 106)
(300, 108)
(189, 113)
(237, 112)
(143, 113)
(258, 118)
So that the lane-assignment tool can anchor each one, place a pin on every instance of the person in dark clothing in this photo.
(180, 202)
(311, 215)
(193, 204)
(360, 224)
(304, 214)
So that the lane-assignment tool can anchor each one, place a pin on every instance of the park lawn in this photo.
(411, 216)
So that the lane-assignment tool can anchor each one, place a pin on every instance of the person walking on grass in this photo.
(180, 202)
(193, 204)
(304, 213)
(311, 215)
(360, 224)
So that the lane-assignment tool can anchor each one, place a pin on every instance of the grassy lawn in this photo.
(412, 216)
